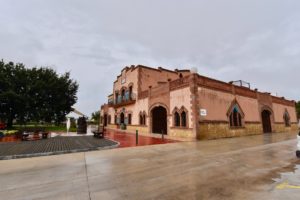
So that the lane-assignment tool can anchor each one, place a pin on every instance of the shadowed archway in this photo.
(159, 120)
(266, 121)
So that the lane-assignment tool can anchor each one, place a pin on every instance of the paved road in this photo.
(254, 167)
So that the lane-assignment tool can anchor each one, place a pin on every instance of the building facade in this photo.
(182, 103)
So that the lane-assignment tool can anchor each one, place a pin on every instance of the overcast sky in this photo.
(254, 40)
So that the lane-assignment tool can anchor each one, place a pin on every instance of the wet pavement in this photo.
(253, 167)
(129, 139)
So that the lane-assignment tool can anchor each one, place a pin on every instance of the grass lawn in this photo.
(49, 128)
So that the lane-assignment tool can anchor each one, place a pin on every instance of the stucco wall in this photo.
(279, 111)
(131, 77)
(216, 103)
(151, 77)
(179, 98)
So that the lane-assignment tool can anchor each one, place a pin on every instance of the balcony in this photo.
(127, 99)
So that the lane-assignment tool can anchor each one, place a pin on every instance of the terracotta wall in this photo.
(215, 102)
(279, 111)
(179, 98)
(150, 77)
(131, 75)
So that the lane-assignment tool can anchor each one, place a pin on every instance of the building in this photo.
(182, 103)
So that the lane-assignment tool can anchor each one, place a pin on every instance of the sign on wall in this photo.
(203, 112)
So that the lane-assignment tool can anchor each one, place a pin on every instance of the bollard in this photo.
(136, 137)
(298, 146)
(162, 134)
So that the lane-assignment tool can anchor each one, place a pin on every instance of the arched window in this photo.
(141, 119)
(129, 119)
(235, 117)
(183, 119)
(176, 119)
(144, 119)
(286, 118)
(116, 120)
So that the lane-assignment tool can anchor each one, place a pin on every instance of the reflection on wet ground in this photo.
(254, 167)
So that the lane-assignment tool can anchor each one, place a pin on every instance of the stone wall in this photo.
(280, 127)
(141, 129)
(181, 132)
(222, 130)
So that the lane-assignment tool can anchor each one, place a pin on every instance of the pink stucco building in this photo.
(182, 103)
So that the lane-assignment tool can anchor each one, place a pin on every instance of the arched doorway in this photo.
(159, 120)
(122, 117)
(266, 121)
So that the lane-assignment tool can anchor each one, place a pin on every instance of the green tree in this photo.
(36, 94)
(96, 116)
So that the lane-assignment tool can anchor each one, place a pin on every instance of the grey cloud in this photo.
(254, 40)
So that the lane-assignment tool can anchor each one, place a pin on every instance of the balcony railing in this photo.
(123, 100)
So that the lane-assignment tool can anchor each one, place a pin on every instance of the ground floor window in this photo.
(129, 118)
(235, 117)
(142, 118)
(180, 117)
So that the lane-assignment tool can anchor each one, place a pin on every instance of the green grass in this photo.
(48, 128)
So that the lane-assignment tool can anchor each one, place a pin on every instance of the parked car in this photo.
(2, 126)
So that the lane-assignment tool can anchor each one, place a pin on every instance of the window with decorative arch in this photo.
(180, 117)
(176, 119)
(235, 115)
(142, 117)
(287, 119)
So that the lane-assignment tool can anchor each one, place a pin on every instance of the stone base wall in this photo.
(141, 129)
(114, 126)
(222, 130)
(279, 128)
(181, 132)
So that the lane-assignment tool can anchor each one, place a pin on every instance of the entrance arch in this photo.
(266, 121)
(159, 120)
(122, 118)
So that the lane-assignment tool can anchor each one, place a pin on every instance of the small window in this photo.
(286, 118)
(129, 118)
(183, 119)
(177, 119)
(115, 119)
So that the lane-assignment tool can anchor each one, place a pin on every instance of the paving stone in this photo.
(52, 146)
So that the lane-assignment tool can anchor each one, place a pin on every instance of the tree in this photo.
(96, 116)
(36, 94)
(298, 109)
